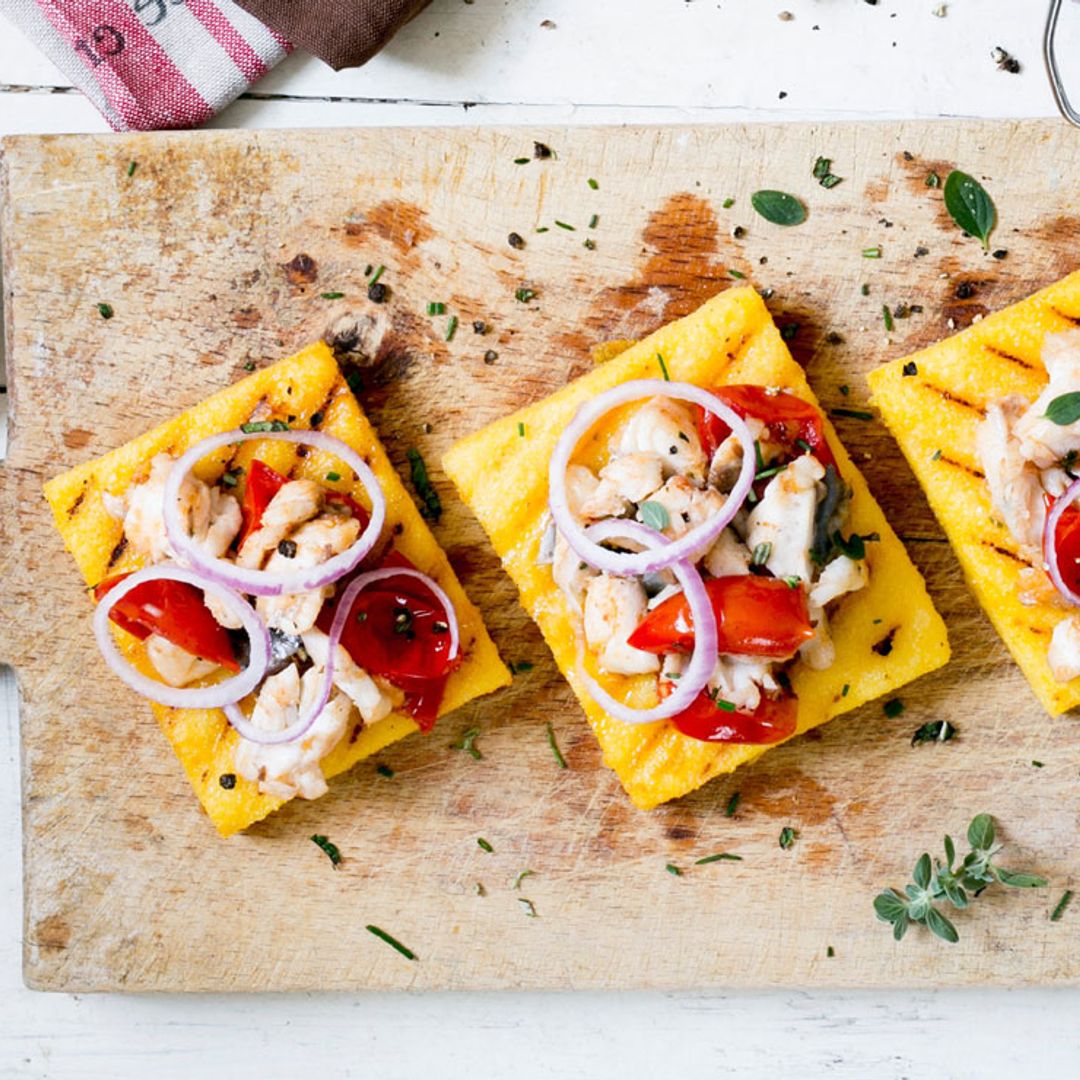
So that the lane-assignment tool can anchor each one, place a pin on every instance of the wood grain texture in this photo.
(128, 887)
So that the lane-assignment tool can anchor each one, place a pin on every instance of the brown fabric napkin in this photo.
(344, 34)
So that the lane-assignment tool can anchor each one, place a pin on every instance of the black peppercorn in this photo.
(490, 356)
(377, 293)
(227, 780)
(515, 240)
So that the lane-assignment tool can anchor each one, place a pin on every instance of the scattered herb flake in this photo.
(563, 225)
(830, 952)
(521, 429)
(663, 368)
(468, 744)
(846, 690)
(852, 414)
(672, 869)
(436, 307)
(933, 180)
(105, 310)
(824, 175)
(484, 845)
(132, 166)
(865, 289)
(332, 295)
(761, 553)
(886, 314)
(872, 252)
(529, 907)
(521, 161)
(378, 274)
(893, 708)
(385, 770)
(845, 389)
(392, 942)
(733, 804)
(1062, 904)
(1037, 764)
(524, 295)
(788, 836)
(728, 203)
(556, 752)
(778, 207)
(333, 477)
(737, 274)
(254, 427)
(934, 731)
(594, 221)
(249, 365)
(451, 327)
(723, 856)
(970, 206)
(431, 507)
(521, 877)
(936, 455)
(593, 184)
(331, 850)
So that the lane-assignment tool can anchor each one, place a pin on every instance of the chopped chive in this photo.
(253, 427)
(663, 368)
(468, 744)
(451, 326)
(521, 429)
(1037, 764)
(1062, 904)
(132, 167)
(846, 690)
(733, 804)
(845, 389)
(593, 184)
(231, 479)
(872, 252)
(893, 708)
(723, 856)
(594, 221)
(483, 845)
(672, 869)
(830, 952)
(933, 180)
(852, 414)
(392, 942)
(524, 295)
(792, 582)
(521, 877)
(521, 161)
(436, 307)
(759, 458)
(528, 906)
(105, 310)
(936, 455)
(737, 274)
(563, 225)
(589, 244)
(804, 446)
(333, 477)
(331, 850)
(332, 295)
(556, 752)
(429, 497)
(788, 836)
(728, 203)
(249, 365)
(865, 290)
(766, 473)
(521, 665)
(543, 228)
(384, 770)
(722, 705)
(886, 314)
(761, 554)
(375, 277)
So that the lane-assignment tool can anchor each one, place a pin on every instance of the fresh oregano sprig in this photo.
(955, 883)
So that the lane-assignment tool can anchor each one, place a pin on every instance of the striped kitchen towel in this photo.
(150, 64)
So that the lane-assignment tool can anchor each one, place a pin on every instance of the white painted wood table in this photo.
(492, 61)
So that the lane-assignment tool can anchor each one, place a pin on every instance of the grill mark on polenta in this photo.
(885, 645)
(1074, 319)
(1004, 552)
(1018, 360)
(969, 469)
(955, 399)
(73, 509)
(734, 354)
(117, 551)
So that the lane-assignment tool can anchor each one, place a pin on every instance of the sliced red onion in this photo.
(706, 643)
(210, 697)
(657, 556)
(344, 605)
(262, 582)
(1061, 504)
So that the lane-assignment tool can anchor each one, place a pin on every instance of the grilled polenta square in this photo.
(299, 388)
(933, 403)
(502, 474)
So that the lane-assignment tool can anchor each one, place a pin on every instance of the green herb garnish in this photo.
(331, 850)
(468, 744)
(933, 180)
(333, 477)
(524, 295)
(1062, 904)
(451, 326)
(761, 553)
(890, 325)
(332, 295)
(521, 429)
(521, 877)
(593, 184)
(723, 856)
(958, 884)
(392, 942)
(521, 161)
(934, 731)
(556, 752)
(436, 307)
(105, 310)
(733, 804)
(778, 207)
(431, 507)
(1064, 409)
(484, 845)
(893, 708)
(563, 225)
(663, 368)
(970, 206)
(788, 836)
(655, 515)
(852, 414)
(872, 252)
(737, 274)
(384, 770)
(529, 906)
(824, 175)
(255, 427)
(672, 869)
(594, 221)
(728, 203)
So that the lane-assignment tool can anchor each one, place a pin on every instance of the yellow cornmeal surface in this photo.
(934, 414)
(300, 386)
(504, 479)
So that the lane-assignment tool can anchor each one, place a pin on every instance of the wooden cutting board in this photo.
(128, 886)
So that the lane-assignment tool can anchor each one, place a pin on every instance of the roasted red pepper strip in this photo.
(787, 418)
(175, 611)
(755, 616)
(398, 629)
(774, 719)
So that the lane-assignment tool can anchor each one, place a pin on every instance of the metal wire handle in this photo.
(1050, 56)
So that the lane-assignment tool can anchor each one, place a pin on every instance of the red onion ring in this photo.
(298, 729)
(210, 697)
(261, 582)
(1061, 504)
(706, 643)
(654, 557)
